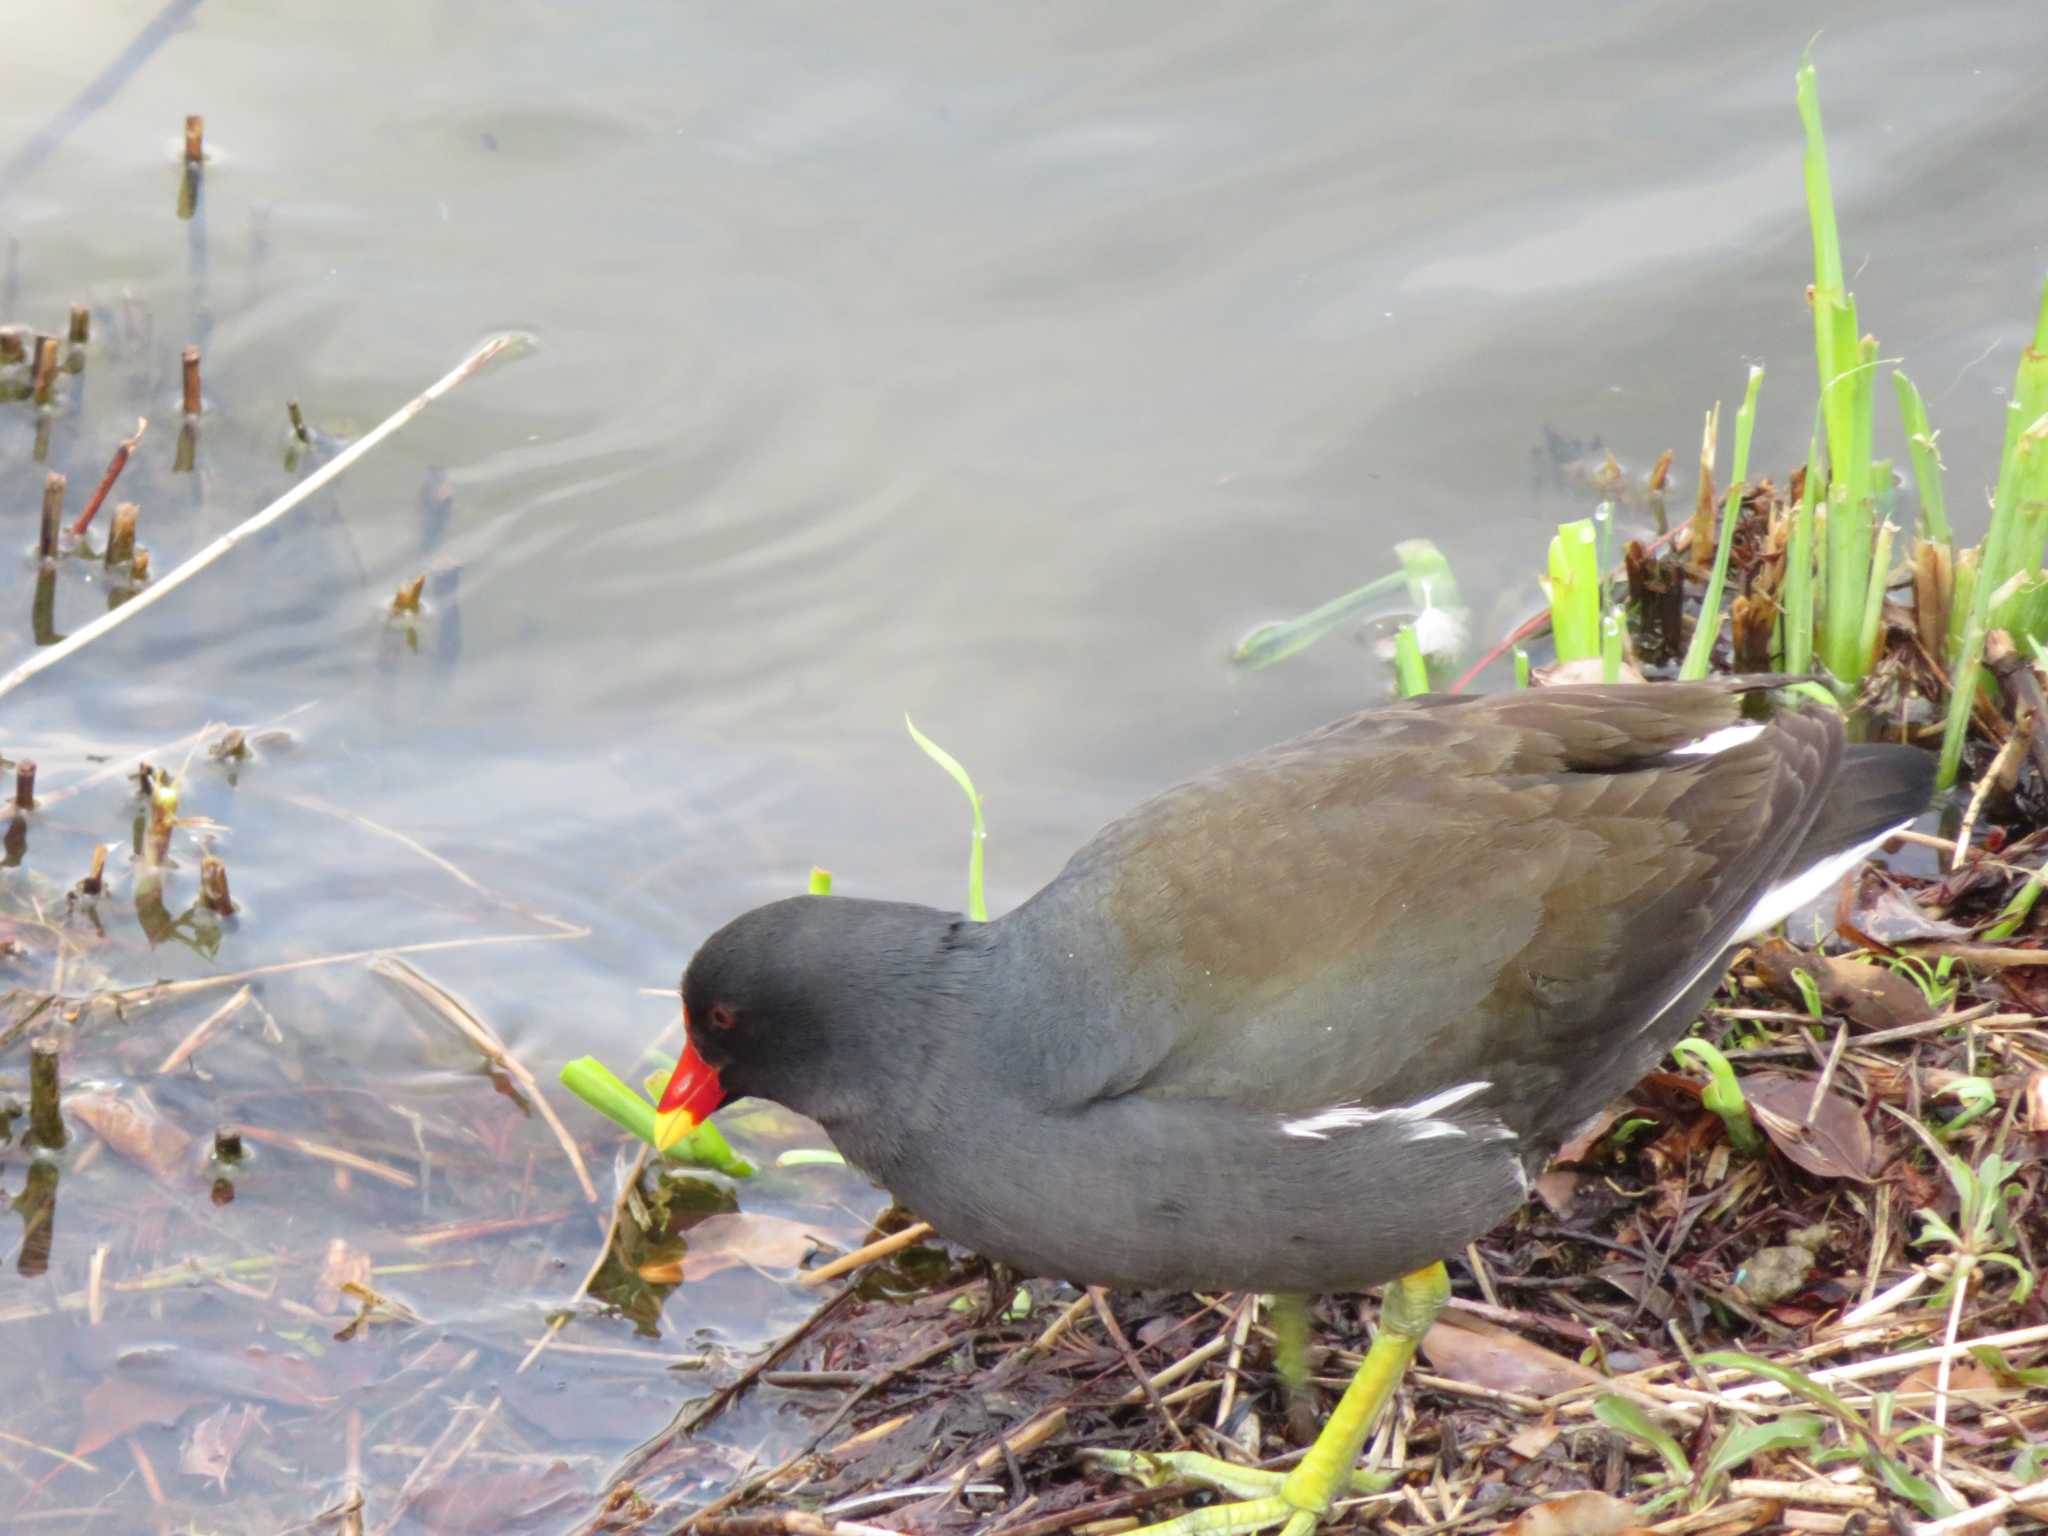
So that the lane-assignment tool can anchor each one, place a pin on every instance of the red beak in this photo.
(694, 1089)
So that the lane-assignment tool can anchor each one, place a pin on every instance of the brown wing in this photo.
(1504, 890)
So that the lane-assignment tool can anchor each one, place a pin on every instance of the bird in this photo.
(1309, 1021)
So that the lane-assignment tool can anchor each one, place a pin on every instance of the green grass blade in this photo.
(1573, 587)
(1920, 438)
(598, 1086)
(1799, 572)
(1743, 1443)
(1701, 649)
(1792, 1381)
(1873, 598)
(1278, 641)
(1410, 671)
(1622, 1414)
(1994, 563)
(977, 901)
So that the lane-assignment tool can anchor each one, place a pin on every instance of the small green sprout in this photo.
(598, 1086)
(1723, 1094)
(1411, 672)
(977, 901)
(1573, 588)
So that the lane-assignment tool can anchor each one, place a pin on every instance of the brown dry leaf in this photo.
(216, 1439)
(1868, 995)
(123, 1403)
(1482, 1355)
(1884, 914)
(1587, 1513)
(1534, 1439)
(133, 1126)
(734, 1238)
(1834, 1143)
(344, 1267)
(1558, 1189)
(1583, 1140)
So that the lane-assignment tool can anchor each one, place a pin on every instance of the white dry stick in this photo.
(484, 352)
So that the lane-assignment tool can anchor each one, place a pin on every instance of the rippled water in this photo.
(999, 365)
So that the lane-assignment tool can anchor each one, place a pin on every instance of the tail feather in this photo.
(1878, 789)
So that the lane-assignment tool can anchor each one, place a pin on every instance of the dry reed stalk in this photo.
(477, 358)
(881, 1248)
(195, 139)
(627, 1179)
(213, 887)
(189, 365)
(486, 1040)
(25, 785)
(53, 516)
(203, 1031)
(45, 375)
(115, 465)
(121, 535)
(81, 325)
(45, 1116)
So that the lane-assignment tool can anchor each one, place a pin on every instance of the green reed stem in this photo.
(1701, 649)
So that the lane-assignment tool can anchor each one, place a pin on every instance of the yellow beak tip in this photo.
(671, 1128)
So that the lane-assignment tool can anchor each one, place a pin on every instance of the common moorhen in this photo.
(1311, 1020)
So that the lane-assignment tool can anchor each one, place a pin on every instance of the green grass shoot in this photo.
(1411, 672)
(1701, 648)
(977, 900)
(1926, 452)
(598, 1086)
(1573, 587)
(1283, 638)
(821, 881)
(1723, 1094)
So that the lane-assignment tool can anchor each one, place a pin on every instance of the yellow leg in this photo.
(1298, 1500)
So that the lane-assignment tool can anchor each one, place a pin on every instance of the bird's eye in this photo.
(720, 1017)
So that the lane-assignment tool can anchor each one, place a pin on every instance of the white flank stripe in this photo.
(1344, 1117)
(1781, 901)
(1720, 741)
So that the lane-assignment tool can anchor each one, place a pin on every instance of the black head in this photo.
(804, 1001)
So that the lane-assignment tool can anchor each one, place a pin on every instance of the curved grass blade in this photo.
(977, 901)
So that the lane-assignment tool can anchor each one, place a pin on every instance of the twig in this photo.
(880, 1248)
(486, 1039)
(626, 1181)
(115, 465)
(201, 1032)
(1969, 1522)
(416, 1484)
(306, 488)
(1110, 1326)
(156, 991)
(335, 1155)
(1989, 777)
(2022, 685)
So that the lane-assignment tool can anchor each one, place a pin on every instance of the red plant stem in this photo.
(1539, 620)
(115, 465)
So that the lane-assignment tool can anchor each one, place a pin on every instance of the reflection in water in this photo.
(36, 1205)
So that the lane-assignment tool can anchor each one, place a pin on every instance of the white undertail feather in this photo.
(1781, 901)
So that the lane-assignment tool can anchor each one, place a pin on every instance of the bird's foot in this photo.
(1262, 1500)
